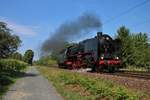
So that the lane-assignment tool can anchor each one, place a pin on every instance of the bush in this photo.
(5, 80)
(47, 61)
(12, 65)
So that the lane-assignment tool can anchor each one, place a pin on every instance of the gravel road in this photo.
(32, 86)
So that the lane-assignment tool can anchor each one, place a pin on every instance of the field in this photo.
(76, 86)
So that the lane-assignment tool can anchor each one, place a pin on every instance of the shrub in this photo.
(47, 61)
(5, 80)
(10, 69)
(12, 65)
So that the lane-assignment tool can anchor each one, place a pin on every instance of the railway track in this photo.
(142, 75)
(131, 74)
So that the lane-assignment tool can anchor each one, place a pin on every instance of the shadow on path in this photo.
(32, 86)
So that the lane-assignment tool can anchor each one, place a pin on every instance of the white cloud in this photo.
(18, 28)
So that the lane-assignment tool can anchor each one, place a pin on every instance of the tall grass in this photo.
(74, 86)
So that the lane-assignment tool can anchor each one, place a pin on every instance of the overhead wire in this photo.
(141, 23)
(126, 11)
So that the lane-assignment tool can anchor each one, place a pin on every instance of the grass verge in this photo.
(134, 68)
(74, 86)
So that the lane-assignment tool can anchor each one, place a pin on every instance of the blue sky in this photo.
(34, 20)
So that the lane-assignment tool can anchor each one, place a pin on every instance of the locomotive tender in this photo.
(101, 53)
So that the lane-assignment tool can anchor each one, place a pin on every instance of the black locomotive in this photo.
(101, 53)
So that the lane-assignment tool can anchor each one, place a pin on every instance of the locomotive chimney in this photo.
(99, 34)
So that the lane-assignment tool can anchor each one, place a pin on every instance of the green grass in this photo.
(134, 68)
(74, 86)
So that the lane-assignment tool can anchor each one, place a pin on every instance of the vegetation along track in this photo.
(137, 81)
(130, 74)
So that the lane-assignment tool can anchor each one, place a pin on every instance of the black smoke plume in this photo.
(72, 29)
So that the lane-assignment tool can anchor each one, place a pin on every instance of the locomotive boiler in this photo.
(101, 53)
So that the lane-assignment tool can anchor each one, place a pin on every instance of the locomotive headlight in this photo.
(117, 58)
(102, 58)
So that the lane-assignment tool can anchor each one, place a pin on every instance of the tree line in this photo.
(135, 48)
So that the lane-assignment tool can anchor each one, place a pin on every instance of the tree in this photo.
(43, 60)
(140, 49)
(135, 48)
(17, 56)
(28, 56)
(124, 35)
(8, 43)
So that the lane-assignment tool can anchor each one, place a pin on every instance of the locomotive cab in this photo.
(108, 54)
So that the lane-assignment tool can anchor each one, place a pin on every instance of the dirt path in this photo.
(32, 86)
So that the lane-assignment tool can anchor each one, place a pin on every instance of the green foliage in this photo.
(135, 48)
(17, 56)
(140, 49)
(11, 65)
(7, 78)
(98, 87)
(86, 88)
(10, 69)
(8, 43)
(135, 68)
(28, 56)
(123, 35)
(45, 60)
(54, 56)
(5, 81)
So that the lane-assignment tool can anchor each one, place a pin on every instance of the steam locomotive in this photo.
(101, 53)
